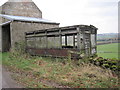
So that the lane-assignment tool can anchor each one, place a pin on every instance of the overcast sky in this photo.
(101, 13)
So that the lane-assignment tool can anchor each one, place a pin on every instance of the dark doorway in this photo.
(6, 38)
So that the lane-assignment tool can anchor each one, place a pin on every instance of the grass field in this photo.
(46, 72)
(108, 50)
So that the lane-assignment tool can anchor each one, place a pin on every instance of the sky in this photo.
(103, 14)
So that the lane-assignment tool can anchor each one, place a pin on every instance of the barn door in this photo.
(6, 38)
(87, 44)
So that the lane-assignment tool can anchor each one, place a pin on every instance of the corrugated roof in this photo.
(30, 19)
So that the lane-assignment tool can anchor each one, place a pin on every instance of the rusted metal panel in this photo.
(51, 52)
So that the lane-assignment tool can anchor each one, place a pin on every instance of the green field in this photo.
(47, 72)
(108, 50)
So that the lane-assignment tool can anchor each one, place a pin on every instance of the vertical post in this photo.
(73, 40)
(84, 42)
(90, 51)
(46, 39)
(65, 40)
(96, 40)
(78, 38)
(60, 36)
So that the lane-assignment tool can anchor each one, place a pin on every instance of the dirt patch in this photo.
(8, 81)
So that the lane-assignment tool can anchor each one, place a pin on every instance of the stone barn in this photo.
(17, 18)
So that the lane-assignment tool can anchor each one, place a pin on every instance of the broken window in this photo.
(69, 41)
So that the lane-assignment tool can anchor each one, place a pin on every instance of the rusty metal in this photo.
(53, 52)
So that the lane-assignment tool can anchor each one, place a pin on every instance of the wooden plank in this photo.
(60, 38)
(73, 40)
(78, 37)
(96, 40)
(90, 45)
(69, 32)
(65, 40)
(55, 33)
(83, 40)
(46, 40)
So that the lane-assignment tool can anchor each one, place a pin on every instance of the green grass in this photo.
(111, 50)
(41, 72)
(0, 58)
(3, 56)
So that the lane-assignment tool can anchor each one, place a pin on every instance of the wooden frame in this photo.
(55, 35)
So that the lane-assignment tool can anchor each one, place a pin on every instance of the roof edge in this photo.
(37, 22)
(65, 27)
(6, 23)
(23, 20)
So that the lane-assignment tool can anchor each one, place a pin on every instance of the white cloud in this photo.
(69, 12)
(101, 13)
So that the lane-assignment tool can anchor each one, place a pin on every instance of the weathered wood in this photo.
(65, 40)
(60, 38)
(52, 33)
(73, 40)
(83, 39)
(46, 41)
(90, 43)
(52, 38)
(78, 37)
(96, 40)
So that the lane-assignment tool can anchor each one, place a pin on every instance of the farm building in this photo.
(59, 42)
(17, 18)
(22, 21)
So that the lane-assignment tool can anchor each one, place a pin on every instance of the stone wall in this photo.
(28, 9)
(19, 28)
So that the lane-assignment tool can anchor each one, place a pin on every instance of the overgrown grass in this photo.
(3, 56)
(0, 58)
(109, 50)
(39, 72)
